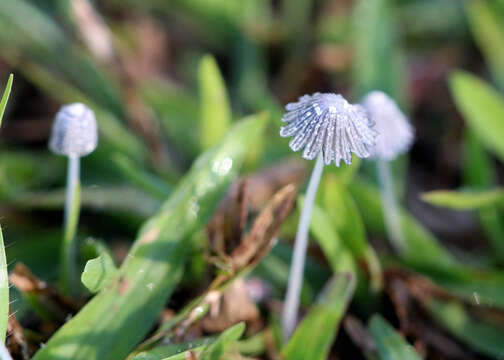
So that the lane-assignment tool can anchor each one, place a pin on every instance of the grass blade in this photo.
(225, 340)
(482, 107)
(488, 31)
(485, 338)
(215, 108)
(423, 249)
(465, 200)
(377, 64)
(4, 290)
(390, 345)
(314, 336)
(130, 304)
(5, 97)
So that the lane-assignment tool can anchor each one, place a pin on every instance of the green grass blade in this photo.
(377, 64)
(464, 200)
(338, 255)
(215, 108)
(316, 333)
(131, 303)
(69, 267)
(485, 338)
(488, 31)
(422, 248)
(223, 343)
(4, 290)
(5, 97)
(482, 108)
(390, 344)
(155, 186)
(479, 173)
(4, 275)
(43, 41)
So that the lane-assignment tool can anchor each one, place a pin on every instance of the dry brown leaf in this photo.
(30, 286)
(230, 308)
(15, 342)
(261, 237)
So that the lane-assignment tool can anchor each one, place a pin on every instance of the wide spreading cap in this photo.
(74, 131)
(395, 131)
(328, 123)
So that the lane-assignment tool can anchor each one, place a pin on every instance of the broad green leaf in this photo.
(422, 248)
(131, 303)
(390, 344)
(465, 200)
(377, 61)
(98, 272)
(223, 342)
(4, 290)
(5, 97)
(214, 103)
(488, 31)
(484, 338)
(483, 109)
(316, 333)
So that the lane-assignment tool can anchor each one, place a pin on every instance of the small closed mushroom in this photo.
(395, 137)
(395, 131)
(327, 127)
(74, 134)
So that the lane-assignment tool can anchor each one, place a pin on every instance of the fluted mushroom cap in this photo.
(395, 131)
(327, 122)
(74, 131)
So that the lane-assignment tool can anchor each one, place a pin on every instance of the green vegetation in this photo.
(190, 203)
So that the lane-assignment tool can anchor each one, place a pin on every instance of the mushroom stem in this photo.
(71, 218)
(4, 353)
(391, 214)
(292, 299)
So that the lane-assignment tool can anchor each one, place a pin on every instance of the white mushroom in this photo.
(327, 127)
(329, 124)
(395, 132)
(74, 134)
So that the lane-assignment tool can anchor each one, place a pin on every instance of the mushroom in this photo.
(395, 137)
(74, 134)
(327, 127)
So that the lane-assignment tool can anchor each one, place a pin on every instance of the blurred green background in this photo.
(169, 79)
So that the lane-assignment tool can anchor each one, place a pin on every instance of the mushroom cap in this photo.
(395, 131)
(327, 122)
(74, 131)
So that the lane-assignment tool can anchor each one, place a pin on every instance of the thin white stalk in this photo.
(73, 174)
(71, 216)
(292, 299)
(4, 353)
(390, 208)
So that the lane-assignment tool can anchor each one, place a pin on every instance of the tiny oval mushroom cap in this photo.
(74, 131)
(395, 132)
(328, 123)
